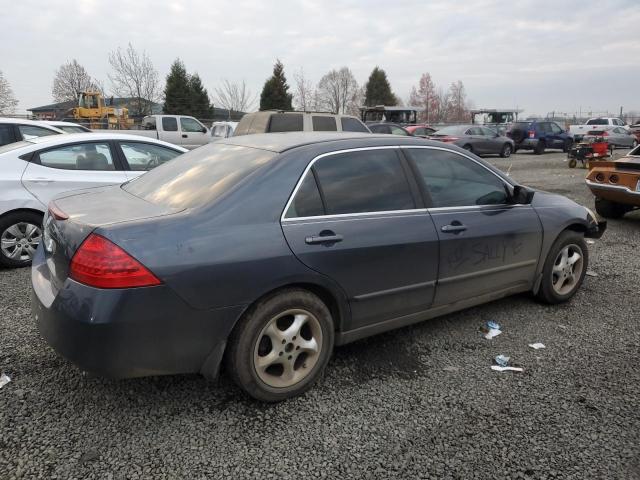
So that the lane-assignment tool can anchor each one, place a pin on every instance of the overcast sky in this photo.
(536, 54)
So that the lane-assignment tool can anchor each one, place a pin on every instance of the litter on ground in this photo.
(498, 368)
(4, 379)
(537, 346)
(490, 330)
(591, 273)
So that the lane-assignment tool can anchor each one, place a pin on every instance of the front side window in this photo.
(190, 125)
(169, 124)
(352, 125)
(363, 181)
(144, 156)
(323, 123)
(286, 122)
(82, 156)
(555, 128)
(455, 181)
(31, 131)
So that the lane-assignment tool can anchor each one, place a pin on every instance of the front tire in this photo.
(565, 268)
(281, 346)
(20, 235)
(609, 209)
(506, 150)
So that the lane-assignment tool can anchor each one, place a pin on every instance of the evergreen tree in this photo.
(275, 93)
(177, 91)
(200, 105)
(378, 90)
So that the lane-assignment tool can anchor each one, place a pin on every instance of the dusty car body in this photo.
(616, 185)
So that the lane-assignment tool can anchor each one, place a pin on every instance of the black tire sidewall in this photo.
(239, 357)
(11, 219)
(546, 292)
(503, 152)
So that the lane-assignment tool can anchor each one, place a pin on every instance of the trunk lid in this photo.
(87, 210)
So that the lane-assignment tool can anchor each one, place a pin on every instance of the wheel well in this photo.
(19, 210)
(577, 227)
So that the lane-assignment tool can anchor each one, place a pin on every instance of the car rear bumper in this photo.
(615, 193)
(527, 144)
(123, 333)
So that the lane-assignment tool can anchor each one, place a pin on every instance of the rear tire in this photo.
(20, 235)
(506, 150)
(281, 346)
(609, 209)
(565, 268)
(539, 150)
(468, 148)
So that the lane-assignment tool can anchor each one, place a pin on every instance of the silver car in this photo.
(33, 171)
(615, 136)
(477, 139)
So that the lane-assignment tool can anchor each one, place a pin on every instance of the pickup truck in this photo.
(579, 131)
(177, 129)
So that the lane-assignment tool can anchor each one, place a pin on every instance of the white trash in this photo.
(537, 346)
(498, 368)
(4, 379)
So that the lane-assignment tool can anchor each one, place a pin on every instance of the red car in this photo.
(420, 130)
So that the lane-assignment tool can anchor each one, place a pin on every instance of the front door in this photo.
(194, 133)
(486, 244)
(71, 167)
(355, 219)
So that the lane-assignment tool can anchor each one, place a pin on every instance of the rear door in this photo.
(356, 218)
(193, 133)
(486, 244)
(70, 167)
(170, 132)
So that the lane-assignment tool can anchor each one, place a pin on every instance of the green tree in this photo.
(378, 90)
(200, 105)
(275, 93)
(177, 91)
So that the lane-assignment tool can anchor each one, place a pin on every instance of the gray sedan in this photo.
(476, 139)
(615, 136)
(267, 250)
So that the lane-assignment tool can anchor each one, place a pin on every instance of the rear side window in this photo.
(145, 156)
(363, 181)
(324, 124)
(307, 201)
(455, 181)
(198, 177)
(169, 124)
(284, 122)
(84, 156)
(352, 125)
(398, 131)
(6, 134)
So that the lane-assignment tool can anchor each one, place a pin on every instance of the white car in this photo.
(17, 129)
(33, 171)
(67, 127)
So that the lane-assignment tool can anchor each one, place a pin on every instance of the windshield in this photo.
(198, 177)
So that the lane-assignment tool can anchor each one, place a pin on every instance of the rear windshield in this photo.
(597, 121)
(198, 177)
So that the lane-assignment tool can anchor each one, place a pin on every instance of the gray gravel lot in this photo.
(387, 408)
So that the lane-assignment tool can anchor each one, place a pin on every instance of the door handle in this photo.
(455, 227)
(320, 239)
(184, 135)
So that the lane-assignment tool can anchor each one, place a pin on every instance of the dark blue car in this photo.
(265, 251)
(539, 136)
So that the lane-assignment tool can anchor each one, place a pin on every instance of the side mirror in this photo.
(522, 195)
(204, 129)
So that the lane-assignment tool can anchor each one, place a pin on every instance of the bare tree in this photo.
(441, 105)
(235, 97)
(8, 101)
(458, 102)
(337, 90)
(304, 95)
(134, 76)
(425, 96)
(71, 79)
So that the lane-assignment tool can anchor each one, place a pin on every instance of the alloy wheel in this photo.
(287, 348)
(567, 269)
(20, 240)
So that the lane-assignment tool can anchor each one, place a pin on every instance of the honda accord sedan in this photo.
(262, 252)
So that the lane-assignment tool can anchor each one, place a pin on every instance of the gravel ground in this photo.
(420, 402)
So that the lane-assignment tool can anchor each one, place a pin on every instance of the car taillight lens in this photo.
(101, 263)
(604, 134)
(450, 139)
(532, 133)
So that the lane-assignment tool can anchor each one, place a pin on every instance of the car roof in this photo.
(61, 123)
(24, 121)
(97, 136)
(280, 142)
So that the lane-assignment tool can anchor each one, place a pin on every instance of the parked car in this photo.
(16, 129)
(389, 129)
(539, 136)
(615, 136)
(179, 130)
(616, 185)
(67, 127)
(476, 139)
(278, 121)
(296, 243)
(34, 171)
(420, 130)
(578, 131)
(221, 130)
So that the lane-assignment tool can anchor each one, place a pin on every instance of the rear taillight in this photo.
(604, 134)
(101, 263)
(450, 139)
(532, 134)
(56, 213)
